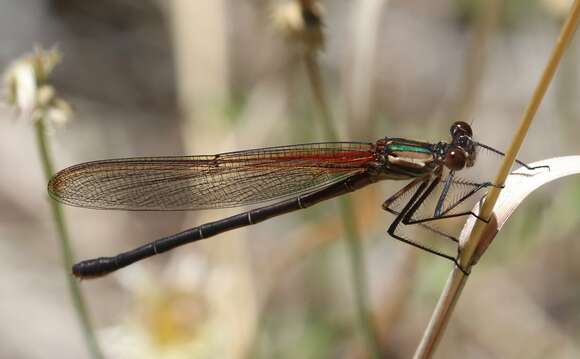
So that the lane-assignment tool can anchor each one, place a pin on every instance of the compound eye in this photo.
(461, 128)
(455, 159)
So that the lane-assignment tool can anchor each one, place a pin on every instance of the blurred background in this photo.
(200, 77)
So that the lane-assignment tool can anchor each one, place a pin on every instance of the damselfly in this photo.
(298, 175)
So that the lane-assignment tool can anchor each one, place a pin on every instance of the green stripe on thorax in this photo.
(408, 159)
(396, 147)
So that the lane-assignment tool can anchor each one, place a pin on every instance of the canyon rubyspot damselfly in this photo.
(298, 175)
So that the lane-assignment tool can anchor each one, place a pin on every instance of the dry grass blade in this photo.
(518, 186)
(471, 247)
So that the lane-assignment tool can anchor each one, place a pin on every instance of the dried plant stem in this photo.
(315, 79)
(457, 279)
(355, 250)
(366, 32)
(65, 248)
(476, 59)
(441, 314)
(564, 39)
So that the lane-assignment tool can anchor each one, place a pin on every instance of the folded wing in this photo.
(215, 181)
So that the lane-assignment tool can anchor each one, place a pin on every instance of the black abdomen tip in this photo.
(94, 268)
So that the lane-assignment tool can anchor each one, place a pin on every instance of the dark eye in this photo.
(455, 159)
(461, 128)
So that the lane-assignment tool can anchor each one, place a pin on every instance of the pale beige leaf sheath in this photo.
(518, 186)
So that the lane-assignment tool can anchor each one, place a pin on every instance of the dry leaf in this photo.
(518, 186)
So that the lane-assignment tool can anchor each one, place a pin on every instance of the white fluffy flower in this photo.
(27, 90)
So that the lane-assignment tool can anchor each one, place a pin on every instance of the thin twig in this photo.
(315, 79)
(366, 33)
(355, 250)
(65, 247)
(441, 314)
(457, 279)
(562, 43)
(476, 59)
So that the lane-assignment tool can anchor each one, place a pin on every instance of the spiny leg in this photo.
(387, 203)
(412, 207)
(414, 204)
(476, 188)
(400, 216)
(443, 214)
(443, 195)
(517, 161)
(408, 220)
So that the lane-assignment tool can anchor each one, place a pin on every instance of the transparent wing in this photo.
(214, 181)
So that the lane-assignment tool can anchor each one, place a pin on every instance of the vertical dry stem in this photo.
(476, 59)
(457, 279)
(65, 247)
(355, 250)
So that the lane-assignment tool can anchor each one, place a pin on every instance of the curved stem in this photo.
(65, 248)
(457, 279)
(355, 250)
